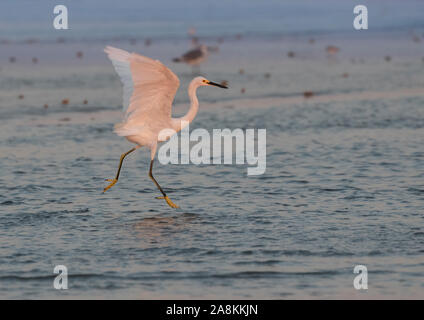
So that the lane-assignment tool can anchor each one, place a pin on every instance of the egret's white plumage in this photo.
(149, 90)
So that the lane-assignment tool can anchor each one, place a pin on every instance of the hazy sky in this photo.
(28, 18)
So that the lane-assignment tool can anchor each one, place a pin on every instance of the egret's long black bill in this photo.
(217, 85)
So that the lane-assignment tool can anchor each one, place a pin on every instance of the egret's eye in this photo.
(204, 81)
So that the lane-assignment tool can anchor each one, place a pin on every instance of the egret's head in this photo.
(201, 81)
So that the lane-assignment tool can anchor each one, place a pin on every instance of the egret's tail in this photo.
(122, 130)
(118, 129)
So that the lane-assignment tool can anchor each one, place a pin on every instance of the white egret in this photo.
(149, 89)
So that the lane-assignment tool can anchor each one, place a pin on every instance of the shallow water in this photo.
(343, 185)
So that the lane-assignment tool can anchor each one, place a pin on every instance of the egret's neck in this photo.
(182, 122)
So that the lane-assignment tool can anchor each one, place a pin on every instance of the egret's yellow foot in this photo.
(112, 183)
(169, 202)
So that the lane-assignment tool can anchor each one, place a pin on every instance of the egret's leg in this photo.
(115, 180)
(168, 201)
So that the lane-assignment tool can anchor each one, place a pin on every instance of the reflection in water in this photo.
(161, 228)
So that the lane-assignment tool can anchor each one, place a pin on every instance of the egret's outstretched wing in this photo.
(149, 86)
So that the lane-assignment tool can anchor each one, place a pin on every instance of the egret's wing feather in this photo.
(149, 86)
(155, 87)
(121, 62)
